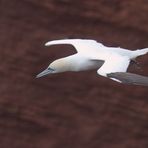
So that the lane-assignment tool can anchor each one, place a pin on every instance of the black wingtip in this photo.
(129, 78)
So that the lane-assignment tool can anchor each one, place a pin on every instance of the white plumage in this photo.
(111, 62)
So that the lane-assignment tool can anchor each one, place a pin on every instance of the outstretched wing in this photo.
(114, 63)
(129, 78)
(115, 68)
(80, 45)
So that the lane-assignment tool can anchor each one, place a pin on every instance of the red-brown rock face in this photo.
(69, 110)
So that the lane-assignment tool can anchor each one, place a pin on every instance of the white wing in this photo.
(115, 68)
(81, 45)
(114, 63)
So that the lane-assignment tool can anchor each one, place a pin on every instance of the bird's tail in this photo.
(139, 52)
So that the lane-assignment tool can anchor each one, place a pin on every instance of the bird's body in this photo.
(93, 55)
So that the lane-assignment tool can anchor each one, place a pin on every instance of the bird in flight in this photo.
(110, 62)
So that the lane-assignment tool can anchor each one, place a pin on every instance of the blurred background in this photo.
(69, 110)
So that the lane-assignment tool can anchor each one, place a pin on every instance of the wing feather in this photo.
(114, 63)
(78, 44)
(129, 78)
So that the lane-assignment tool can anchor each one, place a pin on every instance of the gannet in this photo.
(110, 62)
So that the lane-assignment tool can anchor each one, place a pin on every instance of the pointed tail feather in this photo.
(140, 52)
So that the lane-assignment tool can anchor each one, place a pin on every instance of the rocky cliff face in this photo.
(69, 110)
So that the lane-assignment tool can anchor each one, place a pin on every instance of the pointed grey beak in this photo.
(45, 72)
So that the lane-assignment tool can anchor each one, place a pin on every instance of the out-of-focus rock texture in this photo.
(69, 110)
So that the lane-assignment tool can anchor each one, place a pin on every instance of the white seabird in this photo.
(111, 62)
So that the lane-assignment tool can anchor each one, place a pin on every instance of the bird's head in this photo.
(57, 66)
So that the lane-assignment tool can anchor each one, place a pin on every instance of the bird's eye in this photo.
(50, 69)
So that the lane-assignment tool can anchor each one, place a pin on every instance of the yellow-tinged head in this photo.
(57, 66)
(61, 65)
